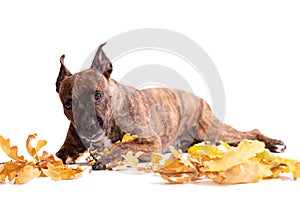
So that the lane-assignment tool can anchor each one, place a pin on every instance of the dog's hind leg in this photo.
(234, 137)
(212, 129)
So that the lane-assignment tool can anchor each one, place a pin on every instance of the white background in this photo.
(255, 46)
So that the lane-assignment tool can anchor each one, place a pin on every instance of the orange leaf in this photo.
(11, 152)
(244, 173)
(40, 144)
(61, 172)
(27, 173)
(31, 150)
(2, 176)
(10, 170)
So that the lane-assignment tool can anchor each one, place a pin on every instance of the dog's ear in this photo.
(101, 62)
(63, 73)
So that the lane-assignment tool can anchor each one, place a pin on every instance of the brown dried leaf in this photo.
(179, 155)
(11, 152)
(27, 173)
(178, 177)
(61, 172)
(33, 151)
(175, 172)
(248, 172)
(10, 170)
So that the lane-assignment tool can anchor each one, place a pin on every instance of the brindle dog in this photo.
(102, 110)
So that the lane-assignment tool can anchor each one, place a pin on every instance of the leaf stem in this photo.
(2, 163)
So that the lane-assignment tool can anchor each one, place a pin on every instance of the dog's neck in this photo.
(120, 95)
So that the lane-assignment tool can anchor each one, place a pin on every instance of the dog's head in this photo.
(86, 97)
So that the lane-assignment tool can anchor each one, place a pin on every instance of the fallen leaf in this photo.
(33, 151)
(131, 159)
(248, 172)
(27, 173)
(244, 151)
(21, 171)
(296, 171)
(129, 138)
(155, 159)
(61, 172)
(11, 152)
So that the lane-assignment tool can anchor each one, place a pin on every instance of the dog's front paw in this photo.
(99, 166)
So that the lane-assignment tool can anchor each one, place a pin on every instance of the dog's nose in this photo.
(91, 125)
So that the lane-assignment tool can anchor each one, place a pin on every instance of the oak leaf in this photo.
(11, 152)
(20, 170)
(243, 152)
(27, 173)
(33, 151)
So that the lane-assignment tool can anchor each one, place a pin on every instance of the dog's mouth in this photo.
(98, 136)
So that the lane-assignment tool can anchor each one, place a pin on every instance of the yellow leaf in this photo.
(266, 156)
(132, 160)
(226, 145)
(27, 173)
(200, 150)
(244, 151)
(129, 138)
(11, 152)
(296, 172)
(40, 144)
(156, 158)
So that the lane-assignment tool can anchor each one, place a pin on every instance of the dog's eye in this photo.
(68, 104)
(98, 96)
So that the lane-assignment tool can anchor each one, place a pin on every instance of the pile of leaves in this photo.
(20, 170)
(249, 162)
